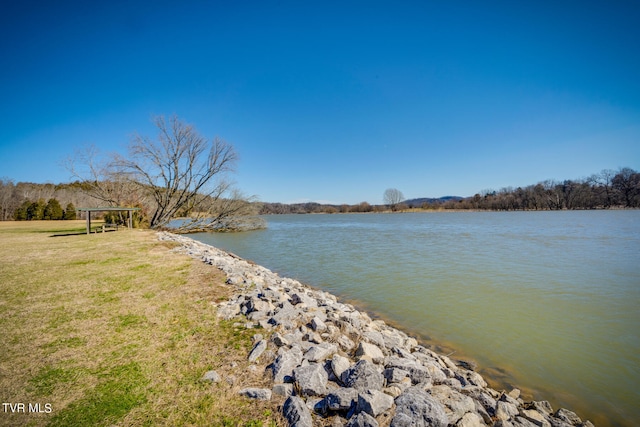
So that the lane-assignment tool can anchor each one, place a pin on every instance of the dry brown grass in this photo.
(115, 329)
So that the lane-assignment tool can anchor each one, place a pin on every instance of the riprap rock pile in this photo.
(335, 364)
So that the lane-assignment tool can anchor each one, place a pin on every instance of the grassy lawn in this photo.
(114, 329)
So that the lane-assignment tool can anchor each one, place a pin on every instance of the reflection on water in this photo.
(547, 298)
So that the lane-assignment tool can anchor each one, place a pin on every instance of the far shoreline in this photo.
(420, 210)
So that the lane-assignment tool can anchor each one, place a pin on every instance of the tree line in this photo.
(31, 201)
(605, 190)
(40, 210)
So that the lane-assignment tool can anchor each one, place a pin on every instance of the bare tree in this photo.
(178, 174)
(392, 197)
(627, 183)
(8, 202)
(185, 175)
(603, 182)
(98, 177)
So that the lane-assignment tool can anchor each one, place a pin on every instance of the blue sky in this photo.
(331, 101)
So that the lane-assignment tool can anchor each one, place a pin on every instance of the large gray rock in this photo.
(394, 390)
(363, 376)
(557, 423)
(370, 351)
(567, 416)
(296, 412)
(211, 376)
(395, 375)
(475, 379)
(349, 330)
(341, 399)
(456, 404)
(345, 342)
(485, 402)
(317, 405)
(354, 319)
(416, 408)
(519, 421)
(279, 340)
(402, 352)
(417, 372)
(393, 338)
(257, 350)
(374, 402)
(287, 316)
(542, 406)
(228, 311)
(304, 299)
(320, 352)
(362, 420)
(234, 279)
(256, 393)
(535, 417)
(257, 316)
(318, 325)
(282, 368)
(374, 337)
(435, 371)
(505, 410)
(410, 343)
(285, 390)
(274, 295)
(470, 419)
(339, 364)
(258, 304)
(311, 379)
(312, 337)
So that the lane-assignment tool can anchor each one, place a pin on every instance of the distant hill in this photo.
(416, 203)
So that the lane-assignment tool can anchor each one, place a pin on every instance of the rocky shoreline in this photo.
(336, 366)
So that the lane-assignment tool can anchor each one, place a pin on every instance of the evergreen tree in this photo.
(53, 210)
(36, 210)
(70, 212)
(21, 213)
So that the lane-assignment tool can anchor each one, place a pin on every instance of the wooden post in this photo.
(129, 221)
(88, 222)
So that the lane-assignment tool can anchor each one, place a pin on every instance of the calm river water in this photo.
(545, 301)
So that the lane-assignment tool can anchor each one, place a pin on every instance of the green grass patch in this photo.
(45, 382)
(140, 267)
(111, 260)
(106, 297)
(129, 320)
(59, 317)
(65, 342)
(122, 389)
(81, 262)
(238, 337)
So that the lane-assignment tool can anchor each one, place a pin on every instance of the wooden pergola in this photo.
(107, 209)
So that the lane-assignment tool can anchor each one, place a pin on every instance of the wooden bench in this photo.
(113, 227)
(103, 228)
